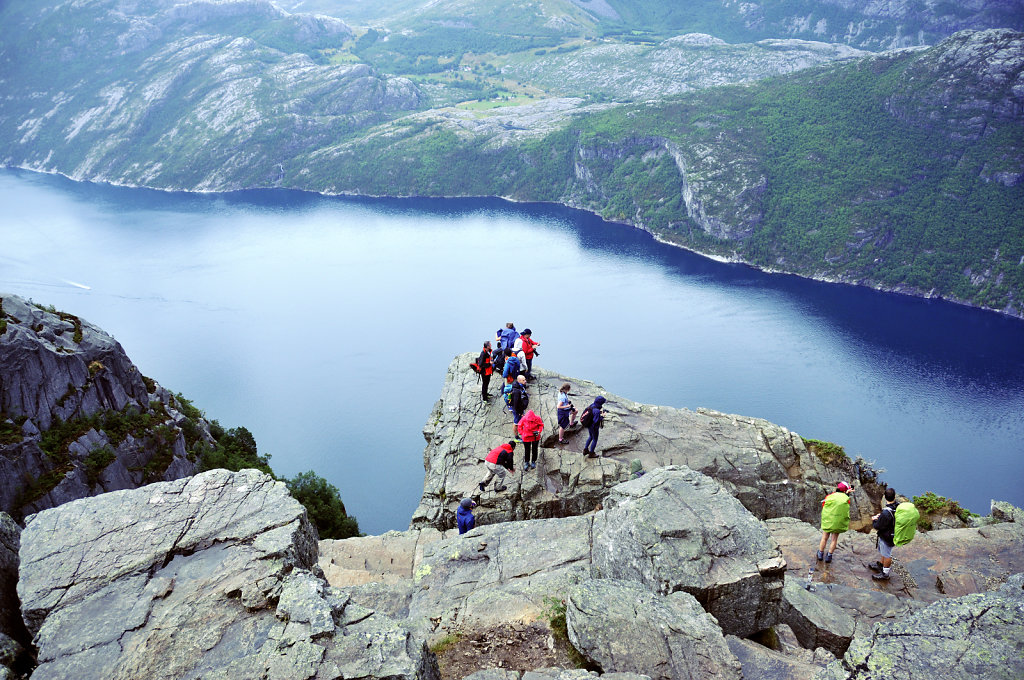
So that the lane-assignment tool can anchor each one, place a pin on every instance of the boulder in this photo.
(213, 576)
(767, 467)
(974, 636)
(676, 529)
(761, 663)
(623, 626)
(816, 621)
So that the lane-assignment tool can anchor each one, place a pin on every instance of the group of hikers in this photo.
(895, 525)
(512, 356)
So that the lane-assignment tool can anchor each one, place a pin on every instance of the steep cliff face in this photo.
(76, 416)
(196, 95)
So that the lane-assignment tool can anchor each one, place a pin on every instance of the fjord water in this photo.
(325, 326)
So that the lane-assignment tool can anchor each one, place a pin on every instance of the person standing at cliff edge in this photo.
(529, 346)
(835, 519)
(592, 419)
(498, 461)
(885, 524)
(486, 367)
(565, 411)
(529, 429)
(506, 337)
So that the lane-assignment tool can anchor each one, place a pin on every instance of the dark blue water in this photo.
(325, 326)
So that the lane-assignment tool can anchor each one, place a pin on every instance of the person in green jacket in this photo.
(835, 519)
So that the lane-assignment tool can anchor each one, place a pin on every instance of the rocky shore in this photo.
(695, 569)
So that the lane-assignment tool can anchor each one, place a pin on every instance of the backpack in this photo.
(906, 523)
(506, 394)
(835, 513)
(587, 419)
(476, 368)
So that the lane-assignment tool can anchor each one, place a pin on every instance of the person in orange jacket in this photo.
(529, 428)
(497, 462)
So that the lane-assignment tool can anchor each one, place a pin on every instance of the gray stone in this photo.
(815, 620)
(761, 663)
(213, 576)
(623, 626)
(676, 529)
(765, 466)
(974, 636)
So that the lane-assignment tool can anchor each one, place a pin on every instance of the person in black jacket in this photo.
(520, 400)
(885, 524)
(486, 367)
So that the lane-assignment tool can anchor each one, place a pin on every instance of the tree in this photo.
(323, 504)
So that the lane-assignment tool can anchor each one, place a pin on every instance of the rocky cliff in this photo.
(77, 418)
(766, 467)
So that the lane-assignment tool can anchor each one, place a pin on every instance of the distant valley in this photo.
(776, 135)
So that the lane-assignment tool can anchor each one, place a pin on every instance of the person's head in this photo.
(600, 401)
(890, 495)
(512, 443)
(487, 344)
(565, 388)
(510, 325)
(508, 352)
(467, 503)
(843, 487)
(521, 379)
(527, 332)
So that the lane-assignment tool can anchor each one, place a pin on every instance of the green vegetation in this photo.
(554, 612)
(10, 429)
(444, 643)
(930, 503)
(96, 462)
(829, 453)
(323, 504)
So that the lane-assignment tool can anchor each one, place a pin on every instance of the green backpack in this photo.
(906, 516)
(835, 514)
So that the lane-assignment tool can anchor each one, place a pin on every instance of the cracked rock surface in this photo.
(974, 636)
(765, 466)
(208, 577)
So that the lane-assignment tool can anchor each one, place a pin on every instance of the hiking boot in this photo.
(481, 487)
(591, 454)
(500, 488)
(828, 558)
(880, 577)
(875, 566)
(821, 556)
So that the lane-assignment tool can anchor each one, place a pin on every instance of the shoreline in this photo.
(912, 292)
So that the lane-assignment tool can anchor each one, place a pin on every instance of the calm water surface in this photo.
(325, 326)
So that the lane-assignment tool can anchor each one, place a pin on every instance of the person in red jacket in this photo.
(529, 428)
(486, 367)
(529, 346)
(498, 461)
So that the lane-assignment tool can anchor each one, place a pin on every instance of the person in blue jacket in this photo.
(592, 417)
(464, 515)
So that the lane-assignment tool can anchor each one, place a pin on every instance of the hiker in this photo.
(511, 367)
(528, 346)
(529, 429)
(498, 359)
(592, 418)
(506, 337)
(885, 524)
(835, 519)
(486, 367)
(497, 462)
(520, 400)
(565, 411)
(464, 515)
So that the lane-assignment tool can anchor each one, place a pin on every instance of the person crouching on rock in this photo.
(835, 519)
(566, 412)
(464, 515)
(498, 461)
(592, 418)
(529, 429)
